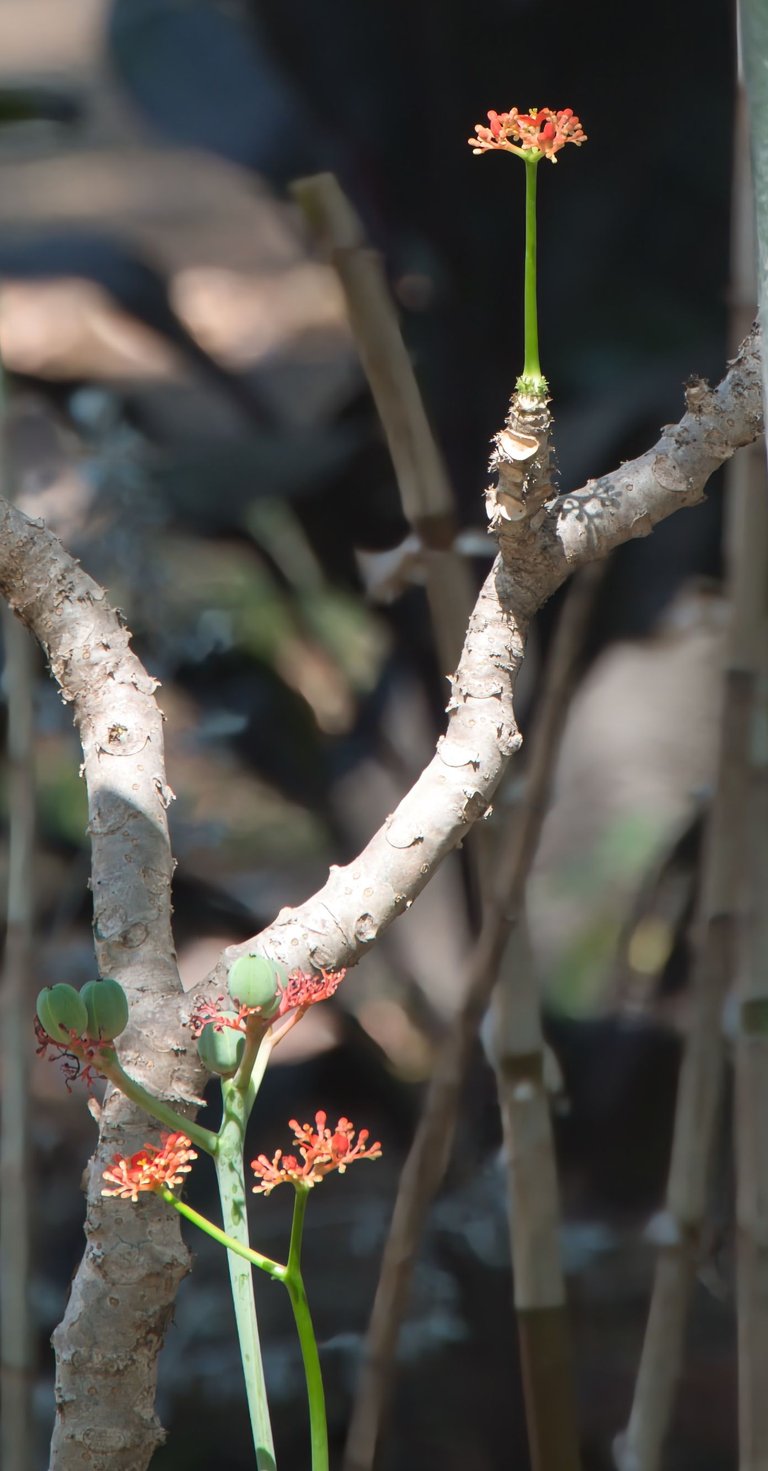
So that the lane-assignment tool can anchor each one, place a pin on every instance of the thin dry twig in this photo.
(428, 1157)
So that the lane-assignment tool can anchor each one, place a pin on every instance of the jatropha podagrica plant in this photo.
(236, 1034)
(235, 1038)
(522, 453)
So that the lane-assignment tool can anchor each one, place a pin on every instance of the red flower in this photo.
(151, 1167)
(322, 1150)
(541, 131)
(79, 1057)
(303, 989)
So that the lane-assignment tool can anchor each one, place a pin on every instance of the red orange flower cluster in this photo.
(322, 1150)
(79, 1057)
(151, 1167)
(302, 989)
(541, 131)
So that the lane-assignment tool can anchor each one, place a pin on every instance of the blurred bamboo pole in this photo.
(425, 491)
(518, 1051)
(17, 1361)
(750, 1114)
(428, 1158)
(751, 1054)
(720, 912)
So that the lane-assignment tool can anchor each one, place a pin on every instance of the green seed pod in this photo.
(256, 981)
(221, 1051)
(107, 1007)
(60, 1011)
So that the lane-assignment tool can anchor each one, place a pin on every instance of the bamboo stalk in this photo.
(751, 1111)
(752, 1037)
(719, 917)
(426, 494)
(534, 1212)
(715, 957)
(17, 1358)
(430, 1151)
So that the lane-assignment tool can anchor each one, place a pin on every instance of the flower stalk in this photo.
(291, 1276)
(532, 380)
(238, 1097)
(531, 136)
(318, 1424)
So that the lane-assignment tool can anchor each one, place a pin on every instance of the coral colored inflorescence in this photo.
(79, 1057)
(322, 1150)
(541, 132)
(151, 1167)
(302, 989)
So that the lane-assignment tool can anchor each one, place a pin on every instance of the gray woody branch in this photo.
(124, 1289)
(123, 1293)
(340, 923)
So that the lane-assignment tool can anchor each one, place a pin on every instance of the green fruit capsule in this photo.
(107, 1006)
(61, 1011)
(221, 1051)
(256, 981)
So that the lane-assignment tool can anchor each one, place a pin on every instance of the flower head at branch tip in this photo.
(302, 989)
(321, 1149)
(305, 988)
(151, 1168)
(540, 133)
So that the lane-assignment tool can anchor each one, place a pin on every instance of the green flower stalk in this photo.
(522, 458)
(235, 1042)
(532, 136)
(320, 1151)
(532, 379)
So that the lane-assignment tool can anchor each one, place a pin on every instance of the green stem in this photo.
(531, 367)
(203, 1138)
(265, 1263)
(318, 1427)
(250, 1074)
(231, 1181)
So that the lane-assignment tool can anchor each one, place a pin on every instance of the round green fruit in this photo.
(61, 1011)
(256, 981)
(221, 1051)
(107, 1006)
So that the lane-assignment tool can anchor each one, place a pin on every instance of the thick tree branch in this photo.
(123, 1293)
(339, 923)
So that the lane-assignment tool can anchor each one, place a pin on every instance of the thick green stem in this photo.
(531, 368)
(291, 1276)
(231, 1181)
(203, 1138)
(318, 1426)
